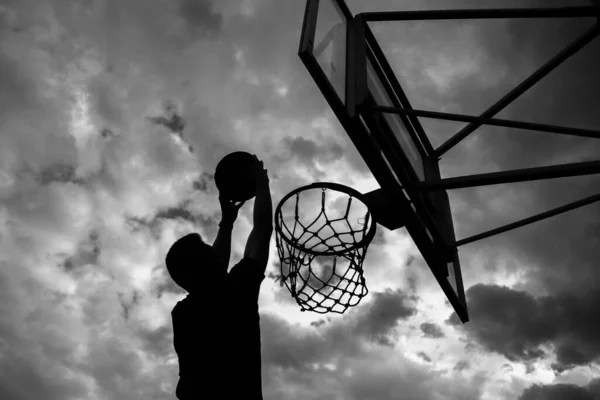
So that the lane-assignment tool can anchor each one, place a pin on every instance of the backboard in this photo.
(596, 3)
(345, 60)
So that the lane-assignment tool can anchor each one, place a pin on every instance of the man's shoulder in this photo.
(183, 305)
(246, 268)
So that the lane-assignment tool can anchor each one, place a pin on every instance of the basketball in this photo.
(235, 176)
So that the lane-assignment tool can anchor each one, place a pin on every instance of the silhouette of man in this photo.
(216, 328)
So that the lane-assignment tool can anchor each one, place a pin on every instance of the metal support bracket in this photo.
(383, 208)
(438, 15)
(506, 123)
(524, 86)
(526, 221)
(514, 176)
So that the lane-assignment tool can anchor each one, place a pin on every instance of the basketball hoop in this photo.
(321, 256)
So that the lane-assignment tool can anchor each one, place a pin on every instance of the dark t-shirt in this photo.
(217, 338)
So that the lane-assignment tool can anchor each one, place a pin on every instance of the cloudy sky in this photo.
(98, 176)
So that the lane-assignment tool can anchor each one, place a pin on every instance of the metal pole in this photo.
(520, 175)
(309, 27)
(530, 220)
(573, 48)
(428, 15)
(563, 130)
(596, 4)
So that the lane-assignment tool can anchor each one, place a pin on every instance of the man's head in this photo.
(192, 263)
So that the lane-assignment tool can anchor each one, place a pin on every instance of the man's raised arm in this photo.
(222, 243)
(257, 246)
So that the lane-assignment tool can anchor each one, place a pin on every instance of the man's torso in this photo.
(217, 337)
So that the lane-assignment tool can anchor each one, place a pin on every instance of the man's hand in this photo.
(222, 243)
(229, 210)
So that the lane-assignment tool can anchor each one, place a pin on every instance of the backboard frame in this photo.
(433, 232)
(422, 198)
(381, 155)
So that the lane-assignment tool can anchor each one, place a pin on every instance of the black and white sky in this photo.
(113, 116)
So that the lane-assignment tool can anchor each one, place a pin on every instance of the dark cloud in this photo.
(171, 119)
(516, 324)
(431, 330)
(176, 213)
(58, 173)
(309, 151)
(128, 304)
(290, 346)
(424, 356)
(287, 346)
(377, 380)
(18, 89)
(87, 253)
(202, 183)
(200, 16)
(377, 320)
(318, 323)
(179, 213)
(116, 367)
(461, 365)
(22, 378)
(158, 342)
(562, 391)
(105, 104)
(295, 357)
(379, 239)
(33, 130)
